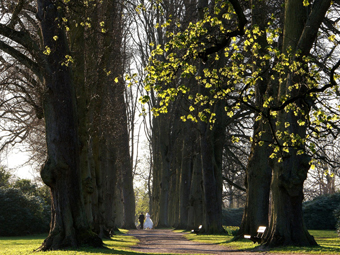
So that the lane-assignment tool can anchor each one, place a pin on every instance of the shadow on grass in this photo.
(325, 246)
(28, 237)
(329, 243)
(108, 250)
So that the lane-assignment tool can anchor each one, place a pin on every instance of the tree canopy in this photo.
(243, 97)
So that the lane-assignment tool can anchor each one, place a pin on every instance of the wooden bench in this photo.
(259, 235)
(197, 231)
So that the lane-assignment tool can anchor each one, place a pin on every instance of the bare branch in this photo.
(21, 58)
(15, 15)
(233, 184)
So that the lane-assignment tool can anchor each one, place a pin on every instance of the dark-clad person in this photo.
(141, 220)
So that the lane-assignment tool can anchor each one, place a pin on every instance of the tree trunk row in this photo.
(89, 170)
(289, 169)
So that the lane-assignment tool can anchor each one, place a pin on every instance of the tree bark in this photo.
(258, 173)
(186, 168)
(286, 225)
(165, 173)
(196, 207)
(211, 148)
(123, 158)
(156, 171)
(258, 179)
(61, 172)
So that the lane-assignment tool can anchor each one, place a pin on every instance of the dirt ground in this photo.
(167, 241)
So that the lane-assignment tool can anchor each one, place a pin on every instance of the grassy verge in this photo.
(329, 243)
(119, 244)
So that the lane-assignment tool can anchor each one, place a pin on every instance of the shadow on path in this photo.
(167, 241)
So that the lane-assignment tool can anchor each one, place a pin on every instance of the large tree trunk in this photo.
(118, 203)
(211, 148)
(123, 158)
(195, 210)
(258, 173)
(174, 194)
(109, 183)
(187, 150)
(117, 103)
(108, 122)
(286, 222)
(81, 87)
(286, 225)
(177, 135)
(61, 172)
(156, 171)
(258, 187)
(211, 141)
(165, 173)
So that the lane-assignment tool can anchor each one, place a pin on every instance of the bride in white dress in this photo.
(148, 222)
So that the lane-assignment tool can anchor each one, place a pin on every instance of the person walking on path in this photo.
(148, 224)
(141, 220)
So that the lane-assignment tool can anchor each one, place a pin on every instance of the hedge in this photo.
(319, 213)
(232, 216)
(21, 214)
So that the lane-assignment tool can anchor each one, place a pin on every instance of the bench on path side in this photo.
(259, 235)
(197, 231)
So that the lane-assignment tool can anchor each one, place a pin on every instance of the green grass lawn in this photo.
(328, 242)
(26, 245)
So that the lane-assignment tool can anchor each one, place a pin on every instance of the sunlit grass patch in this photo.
(321, 234)
(121, 241)
(226, 239)
(242, 244)
(231, 230)
(179, 230)
(26, 245)
(20, 245)
(212, 239)
(328, 241)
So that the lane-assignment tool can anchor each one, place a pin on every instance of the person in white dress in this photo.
(148, 224)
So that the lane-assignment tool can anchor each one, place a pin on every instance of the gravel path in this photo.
(167, 241)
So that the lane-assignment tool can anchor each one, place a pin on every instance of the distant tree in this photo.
(30, 188)
(44, 192)
(4, 177)
(142, 202)
(26, 186)
(325, 176)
